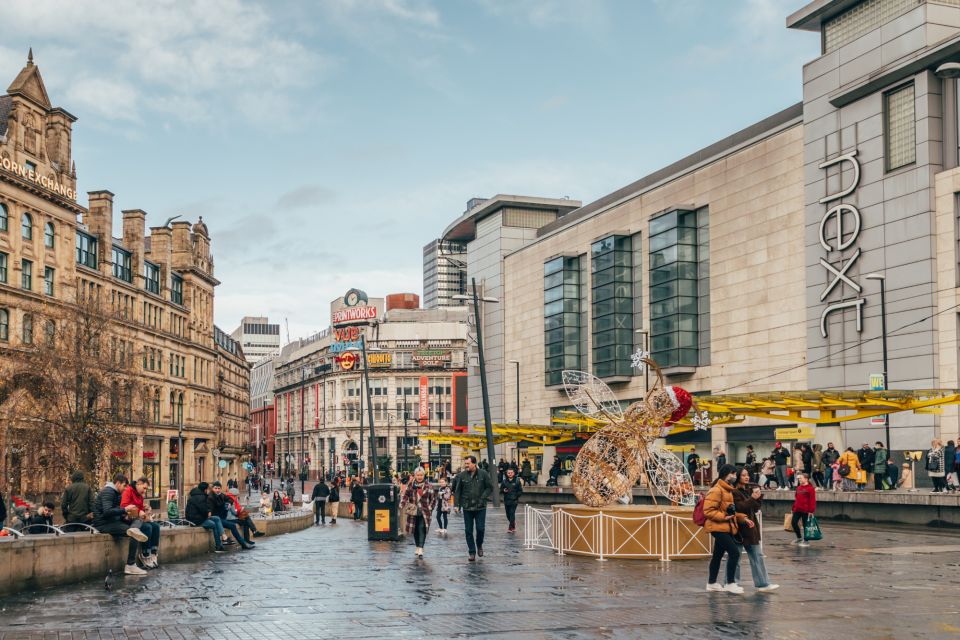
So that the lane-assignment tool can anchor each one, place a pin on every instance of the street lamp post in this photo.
(883, 331)
(488, 424)
(366, 379)
(303, 378)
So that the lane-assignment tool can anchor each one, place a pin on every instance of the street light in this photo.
(883, 331)
(488, 424)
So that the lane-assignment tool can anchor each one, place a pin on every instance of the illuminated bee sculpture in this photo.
(616, 456)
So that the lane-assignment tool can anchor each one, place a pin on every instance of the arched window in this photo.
(26, 227)
(4, 325)
(4, 217)
(48, 235)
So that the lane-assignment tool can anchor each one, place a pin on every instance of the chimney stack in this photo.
(134, 225)
(99, 219)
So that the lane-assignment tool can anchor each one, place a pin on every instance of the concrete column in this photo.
(718, 438)
(549, 454)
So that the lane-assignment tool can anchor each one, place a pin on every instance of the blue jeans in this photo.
(781, 472)
(216, 528)
(231, 526)
(473, 519)
(757, 568)
(152, 531)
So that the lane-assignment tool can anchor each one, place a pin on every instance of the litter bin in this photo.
(383, 503)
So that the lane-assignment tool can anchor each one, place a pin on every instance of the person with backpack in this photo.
(721, 520)
(748, 498)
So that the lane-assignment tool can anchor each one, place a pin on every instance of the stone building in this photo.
(233, 405)
(159, 286)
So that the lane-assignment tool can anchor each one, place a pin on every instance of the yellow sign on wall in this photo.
(794, 433)
(534, 450)
(381, 521)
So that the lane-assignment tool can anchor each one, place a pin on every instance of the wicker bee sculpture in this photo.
(615, 457)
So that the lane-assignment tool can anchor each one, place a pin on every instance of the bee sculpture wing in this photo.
(670, 477)
(591, 396)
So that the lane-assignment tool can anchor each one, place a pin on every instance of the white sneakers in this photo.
(714, 587)
(419, 552)
(768, 588)
(134, 570)
(804, 543)
(136, 534)
(733, 587)
(150, 561)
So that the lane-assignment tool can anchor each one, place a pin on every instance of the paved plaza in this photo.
(331, 582)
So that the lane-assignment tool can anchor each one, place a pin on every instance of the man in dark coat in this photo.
(77, 502)
(110, 517)
(198, 512)
(319, 497)
(511, 488)
(472, 489)
(357, 497)
(779, 456)
(866, 457)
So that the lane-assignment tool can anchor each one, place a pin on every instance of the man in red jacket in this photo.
(804, 505)
(133, 495)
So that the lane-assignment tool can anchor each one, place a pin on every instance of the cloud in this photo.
(305, 196)
(109, 99)
(555, 102)
(549, 14)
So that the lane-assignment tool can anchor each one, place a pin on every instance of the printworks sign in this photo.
(355, 310)
(847, 223)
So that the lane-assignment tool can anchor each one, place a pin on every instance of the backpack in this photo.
(699, 517)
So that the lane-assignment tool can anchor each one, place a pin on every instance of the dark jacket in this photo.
(511, 490)
(77, 502)
(807, 458)
(879, 461)
(3, 510)
(39, 520)
(198, 507)
(748, 505)
(950, 454)
(217, 504)
(472, 490)
(320, 491)
(356, 493)
(780, 455)
(334, 494)
(865, 456)
(106, 506)
(830, 456)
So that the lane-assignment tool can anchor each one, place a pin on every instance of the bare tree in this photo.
(69, 393)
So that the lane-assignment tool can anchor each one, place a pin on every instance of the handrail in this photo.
(56, 530)
(81, 525)
(175, 522)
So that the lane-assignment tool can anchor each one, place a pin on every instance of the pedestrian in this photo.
(836, 478)
(333, 500)
(471, 491)
(949, 466)
(879, 466)
(751, 463)
(720, 458)
(748, 499)
(109, 517)
(444, 496)
(238, 512)
(554, 479)
(277, 502)
(796, 466)
(849, 469)
(804, 506)
(511, 490)
(198, 513)
(830, 455)
(220, 507)
(820, 471)
(133, 495)
(693, 463)
(265, 503)
(41, 521)
(357, 497)
(906, 478)
(76, 503)
(502, 470)
(780, 455)
(722, 523)
(806, 456)
(767, 473)
(893, 474)
(416, 505)
(319, 496)
(526, 471)
(936, 466)
(866, 458)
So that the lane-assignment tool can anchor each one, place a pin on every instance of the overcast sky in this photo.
(325, 143)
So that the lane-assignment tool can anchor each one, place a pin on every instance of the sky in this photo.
(324, 143)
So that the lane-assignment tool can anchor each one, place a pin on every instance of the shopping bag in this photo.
(788, 522)
(812, 530)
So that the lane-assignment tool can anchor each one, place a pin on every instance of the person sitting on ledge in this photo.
(41, 520)
(198, 513)
(133, 495)
(109, 517)
(218, 507)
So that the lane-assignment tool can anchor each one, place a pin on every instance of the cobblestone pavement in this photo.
(330, 581)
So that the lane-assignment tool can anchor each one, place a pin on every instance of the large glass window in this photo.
(561, 317)
(3, 267)
(26, 227)
(48, 274)
(151, 277)
(611, 263)
(121, 265)
(86, 250)
(49, 235)
(26, 275)
(674, 289)
(4, 217)
(901, 127)
(176, 289)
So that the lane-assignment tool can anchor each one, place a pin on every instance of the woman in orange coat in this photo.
(850, 459)
(722, 522)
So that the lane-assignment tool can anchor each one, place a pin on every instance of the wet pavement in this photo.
(859, 582)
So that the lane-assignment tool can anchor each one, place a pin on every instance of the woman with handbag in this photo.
(849, 469)
(936, 467)
(722, 522)
(747, 498)
(804, 505)
(416, 507)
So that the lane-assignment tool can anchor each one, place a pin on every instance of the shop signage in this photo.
(536, 450)
(18, 169)
(876, 382)
(793, 433)
(347, 361)
(381, 520)
(379, 360)
(149, 454)
(431, 357)
(346, 339)
(323, 368)
(424, 407)
(843, 240)
(355, 309)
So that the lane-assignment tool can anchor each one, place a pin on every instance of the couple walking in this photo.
(471, 489)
